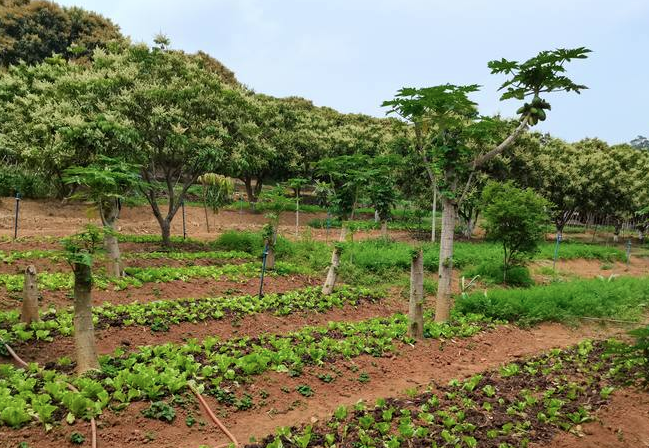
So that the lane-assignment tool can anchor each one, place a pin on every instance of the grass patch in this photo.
(623, 298)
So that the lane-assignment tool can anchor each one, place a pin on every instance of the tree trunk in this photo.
(445, 271)
(384, 229)
(333, 272)
(258, 186)
(109, 215)
(29, 312)
(416, 307)
(115, 266)
(616, 233)
(433, 230)
(247, 181)
(165, 226)
(84, 331)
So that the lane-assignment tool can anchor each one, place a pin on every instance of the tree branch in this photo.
(480, 160)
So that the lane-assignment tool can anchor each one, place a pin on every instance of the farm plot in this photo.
(283, 359)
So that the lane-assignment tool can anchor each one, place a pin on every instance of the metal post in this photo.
(16, 217)
(263, 270)
(628, 252)
(182, 204)
(556, 251)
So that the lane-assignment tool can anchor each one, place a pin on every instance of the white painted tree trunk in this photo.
(443, 305)
(84, 330)
(332, 273)
(29, 311)
(109, 216)
(416, 305)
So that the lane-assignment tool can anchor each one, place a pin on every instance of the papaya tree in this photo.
(79, 252)
(455, 142)
(105, 183)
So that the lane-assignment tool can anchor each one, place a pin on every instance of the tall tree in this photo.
(31, 31)
(454, 142)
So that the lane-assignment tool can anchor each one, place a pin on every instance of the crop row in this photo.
(160, 314)
(57, 255)
(136, 277)
(522, 402)
(215, 366)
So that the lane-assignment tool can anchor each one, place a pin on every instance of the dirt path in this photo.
(413, 367)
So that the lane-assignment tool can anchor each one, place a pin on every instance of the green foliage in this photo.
(33, 30)
(217, 190)
(79, 249)
(612, 298)
(14, 179)
(160, 410)
(77, 438)
(515, 218)
(493, 272)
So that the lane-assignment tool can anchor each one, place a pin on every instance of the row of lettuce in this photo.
(213, 366)
(159, 315)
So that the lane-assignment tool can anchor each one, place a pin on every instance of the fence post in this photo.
(16, 217)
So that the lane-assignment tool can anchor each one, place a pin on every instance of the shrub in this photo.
(493, 272)
(30, 185)
(515, 218)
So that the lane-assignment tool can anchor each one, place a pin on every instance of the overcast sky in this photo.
(353, 54)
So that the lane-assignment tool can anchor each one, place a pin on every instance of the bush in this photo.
(514, 217)
(614, 297)
(493, 272)
(14, 180)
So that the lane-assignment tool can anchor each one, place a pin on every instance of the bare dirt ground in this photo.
(638, 267)
(55, 219)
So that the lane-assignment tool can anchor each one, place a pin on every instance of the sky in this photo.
(352, 55)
